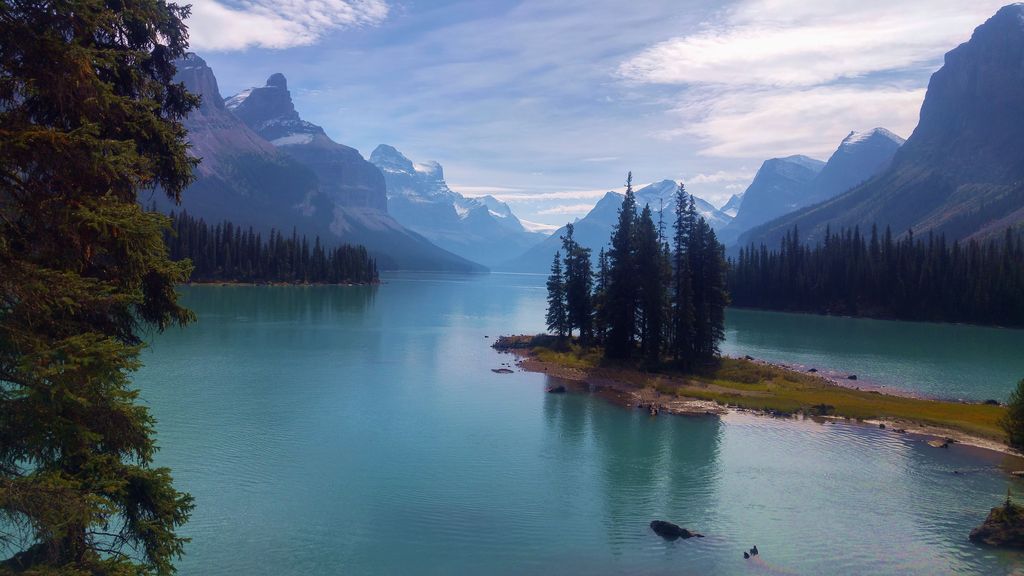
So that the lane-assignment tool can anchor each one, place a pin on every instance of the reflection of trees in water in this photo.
(665, 467)
(278, 303)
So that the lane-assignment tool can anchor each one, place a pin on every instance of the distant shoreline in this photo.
(296, 284)
(762, 388)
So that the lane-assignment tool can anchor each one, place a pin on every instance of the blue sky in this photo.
(547, 105)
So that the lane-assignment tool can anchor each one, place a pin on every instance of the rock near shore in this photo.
(1003, 528)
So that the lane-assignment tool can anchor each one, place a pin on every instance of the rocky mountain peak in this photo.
(277, 80)
(389, 159)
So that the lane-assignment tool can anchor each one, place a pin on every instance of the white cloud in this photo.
(722, 177)
(800, 43)
(220, 25)
(777, 122)
(767, 78)
(567, 209)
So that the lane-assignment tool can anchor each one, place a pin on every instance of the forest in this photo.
(910, 278)
(650, 296)
(226, 253)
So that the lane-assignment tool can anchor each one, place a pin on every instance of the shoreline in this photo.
(675, 394)
(295, 284)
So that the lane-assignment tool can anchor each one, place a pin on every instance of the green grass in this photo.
(755, 386)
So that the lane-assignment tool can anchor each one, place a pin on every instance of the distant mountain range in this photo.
(594, 230)
(961, 172)
(482, 229)
(263, 166)
(784, 185)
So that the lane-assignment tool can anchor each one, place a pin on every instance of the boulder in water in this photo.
(670, 531)
(556, 389)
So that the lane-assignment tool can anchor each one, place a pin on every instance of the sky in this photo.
(548, 104)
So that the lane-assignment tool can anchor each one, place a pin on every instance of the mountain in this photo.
(732, 206)
(242, 177)
(860, 156)
(595, 229)
(961, 172)
(780, 186)
(480, 229)
(321, 190)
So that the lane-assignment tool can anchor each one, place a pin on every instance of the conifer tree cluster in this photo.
(649, 297)
(226, 252)
(911, 278)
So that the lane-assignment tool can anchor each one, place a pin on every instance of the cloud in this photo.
(722, 177)
(594, 194)
(799, 43)
(773, 122)
(567, 209)
(222, 25)
(768, 78)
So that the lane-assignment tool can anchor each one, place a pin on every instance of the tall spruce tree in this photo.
(622, 280)
(89, 116)
(578, 285)
(601, 298)
(557, 319)
(683, 315)
(651, 288)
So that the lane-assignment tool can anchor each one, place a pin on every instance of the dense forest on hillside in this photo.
(226, 252)
(912, 278)
(661, 298)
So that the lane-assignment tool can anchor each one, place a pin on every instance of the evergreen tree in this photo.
(1013, 422)
(578, 285)
(651, 288)
(683, 315)
(622, 280)
(90, 117)
(557, 319)
(601, 298)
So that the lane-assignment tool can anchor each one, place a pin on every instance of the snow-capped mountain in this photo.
(860, 156)
(594, 230)
(482, 229)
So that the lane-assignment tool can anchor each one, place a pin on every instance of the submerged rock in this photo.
(851, 377)
(501, 370)
(1004, 527)
(670, 531)
(557, 389)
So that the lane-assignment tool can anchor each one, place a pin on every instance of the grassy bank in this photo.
(757, 386)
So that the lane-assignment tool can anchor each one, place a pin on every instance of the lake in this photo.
(360, 430)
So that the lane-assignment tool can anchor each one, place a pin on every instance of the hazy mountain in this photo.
(780, 186)
(594, 230)
(732, 206)
(962, 170)
(860, 156)
(481, 229)
(246, 178)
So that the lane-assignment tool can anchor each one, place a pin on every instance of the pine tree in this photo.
(622, 280)
(652, 288)
(578, 285)
(600, 300)
(557, 319)
(682, 283)
(90, 117)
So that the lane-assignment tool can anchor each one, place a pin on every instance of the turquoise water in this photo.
(939, 360)
(330, 430)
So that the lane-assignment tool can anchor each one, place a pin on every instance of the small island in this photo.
(745, 384)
